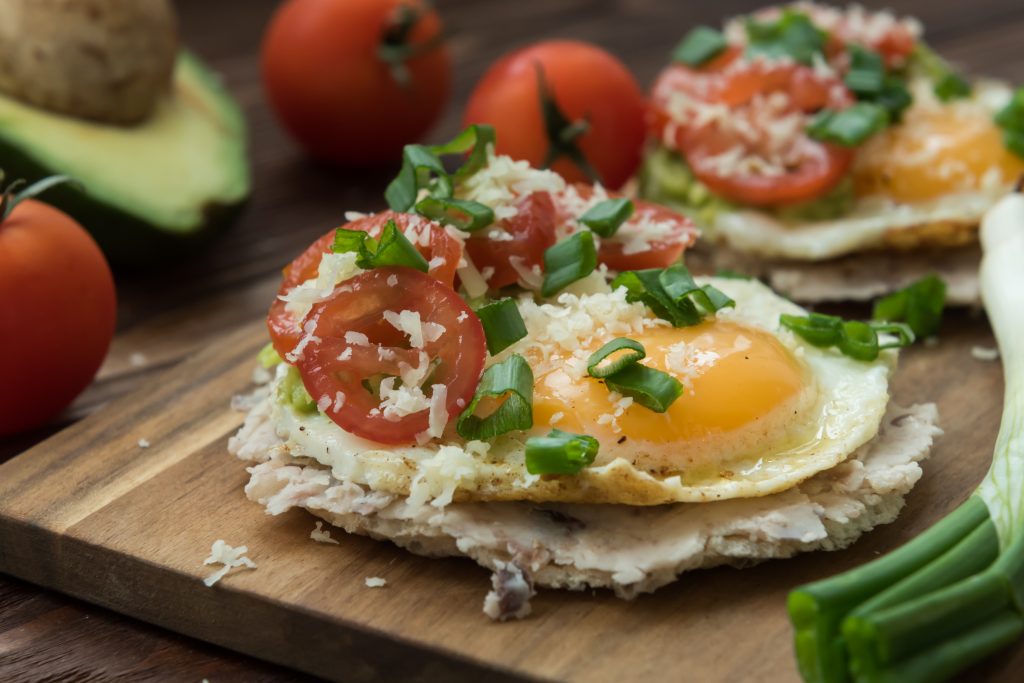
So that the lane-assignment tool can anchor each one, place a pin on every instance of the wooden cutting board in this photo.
(91, 513)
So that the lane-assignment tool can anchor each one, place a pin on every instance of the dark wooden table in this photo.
(165, 315)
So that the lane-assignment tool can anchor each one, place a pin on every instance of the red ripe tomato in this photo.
(355, 80)
(532, 230)
(587, 84)
(57, 317)
(662, 253)
(333, 370)
(761, 97)
(285, 331)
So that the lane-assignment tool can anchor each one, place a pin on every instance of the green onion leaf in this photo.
(421, 168)
(678, 284)
(952, 86)
(792, 35)
(608, 216)
(904, 334)
(671, 294)
(894, 97)
(268, 357)
(477, 137)
(867, 72)
(503, 324)
(701, 45)
(1011, 119)
(858, 341)
(570, 260)
(464, 214)
(635, 353)
(653, 389)
(393, 248)
(560, 453)
(919, 305)
(644, 286)
(729, 274)
(817, 329)
(512, 380)
(849, 127)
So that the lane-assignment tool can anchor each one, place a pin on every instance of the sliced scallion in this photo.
(919, 304)
(503, 324)
(634, 353)
(392, 249)
(856, 339)
(792, 35)
(511, 380)
(952, 86)
(466, 215)
(651, 388)
(570, 260)
(866, 75)
(701, 45)
(560, 453)
(672, 294)
(849, 127)
(421, 168)
(475, 139)
(605, 218)
(1011, 119)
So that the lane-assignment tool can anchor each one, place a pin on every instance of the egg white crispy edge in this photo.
(437, 472)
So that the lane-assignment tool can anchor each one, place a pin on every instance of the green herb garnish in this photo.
(635, 352)
(463, 214)
(560, 453)
(570, 260)
(392, 249)
(792, 35)
(605, 218)
(1011, 119)
(511, 380)
(503, 324)
(653, 389)
(849, 127)
(858, 340)
(919, 305)
(701, 45)
(671, 294)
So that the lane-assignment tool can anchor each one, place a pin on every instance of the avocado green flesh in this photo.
(666, 178)
(292, 392)
(147, 191)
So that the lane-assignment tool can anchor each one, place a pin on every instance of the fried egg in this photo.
(761, 411)
(922, 183)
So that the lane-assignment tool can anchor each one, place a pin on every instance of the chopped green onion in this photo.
(393, 248)
(268, 357)
(422, 167)
(653, 389)
(464, 214)
(867, 72)
(560, 453)
(475, 140)
(503, 324)
(671, 294)
(729, 274)
(1011, 119)
(952, 86)
(570, 260)
(792, 35)
(849, 127)
(894, 97)
(701, 45)
(608, 216)
(858, 340)
(512, 380)
(919, 305)
(636, 353)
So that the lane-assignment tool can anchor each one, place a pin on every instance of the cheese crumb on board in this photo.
(321, 535)
(143, 443)
(984, 353)
(228, 556)
(375, 582)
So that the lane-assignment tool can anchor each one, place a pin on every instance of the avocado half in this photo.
(145, 192)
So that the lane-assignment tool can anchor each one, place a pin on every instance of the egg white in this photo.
(849, 400)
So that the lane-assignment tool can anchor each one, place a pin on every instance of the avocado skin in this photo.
(125, 239)
(130, 240)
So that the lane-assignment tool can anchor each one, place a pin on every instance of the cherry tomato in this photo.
(285, 331)
(335, 75)
(587, 84)
(662, 252)
(329, 369)
(57, 316)
(760, 98)
(532, 230)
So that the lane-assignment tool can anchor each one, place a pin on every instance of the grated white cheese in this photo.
(308, 337)
(985, 353)
(376, 582)
(346, 354)
(357, 338)
(354, 215)
(438, 416)
(143, 443)
(502, 182)
(137, 359)
(224, 554)
(321, 535)
(556, 418)
(529, 278)
(409, 323)
(393, 280)
(399, 402)
(333, 270)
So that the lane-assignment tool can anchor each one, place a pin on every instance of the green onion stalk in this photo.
(955, 594)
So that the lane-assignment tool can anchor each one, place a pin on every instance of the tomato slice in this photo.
(664, 250)
(334, 369)
(532, 231)
(757, 153)
(444, 250)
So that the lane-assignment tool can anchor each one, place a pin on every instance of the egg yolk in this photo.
(935, 151)
(732, 376)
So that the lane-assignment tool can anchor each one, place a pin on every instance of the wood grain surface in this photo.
(168, 315)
